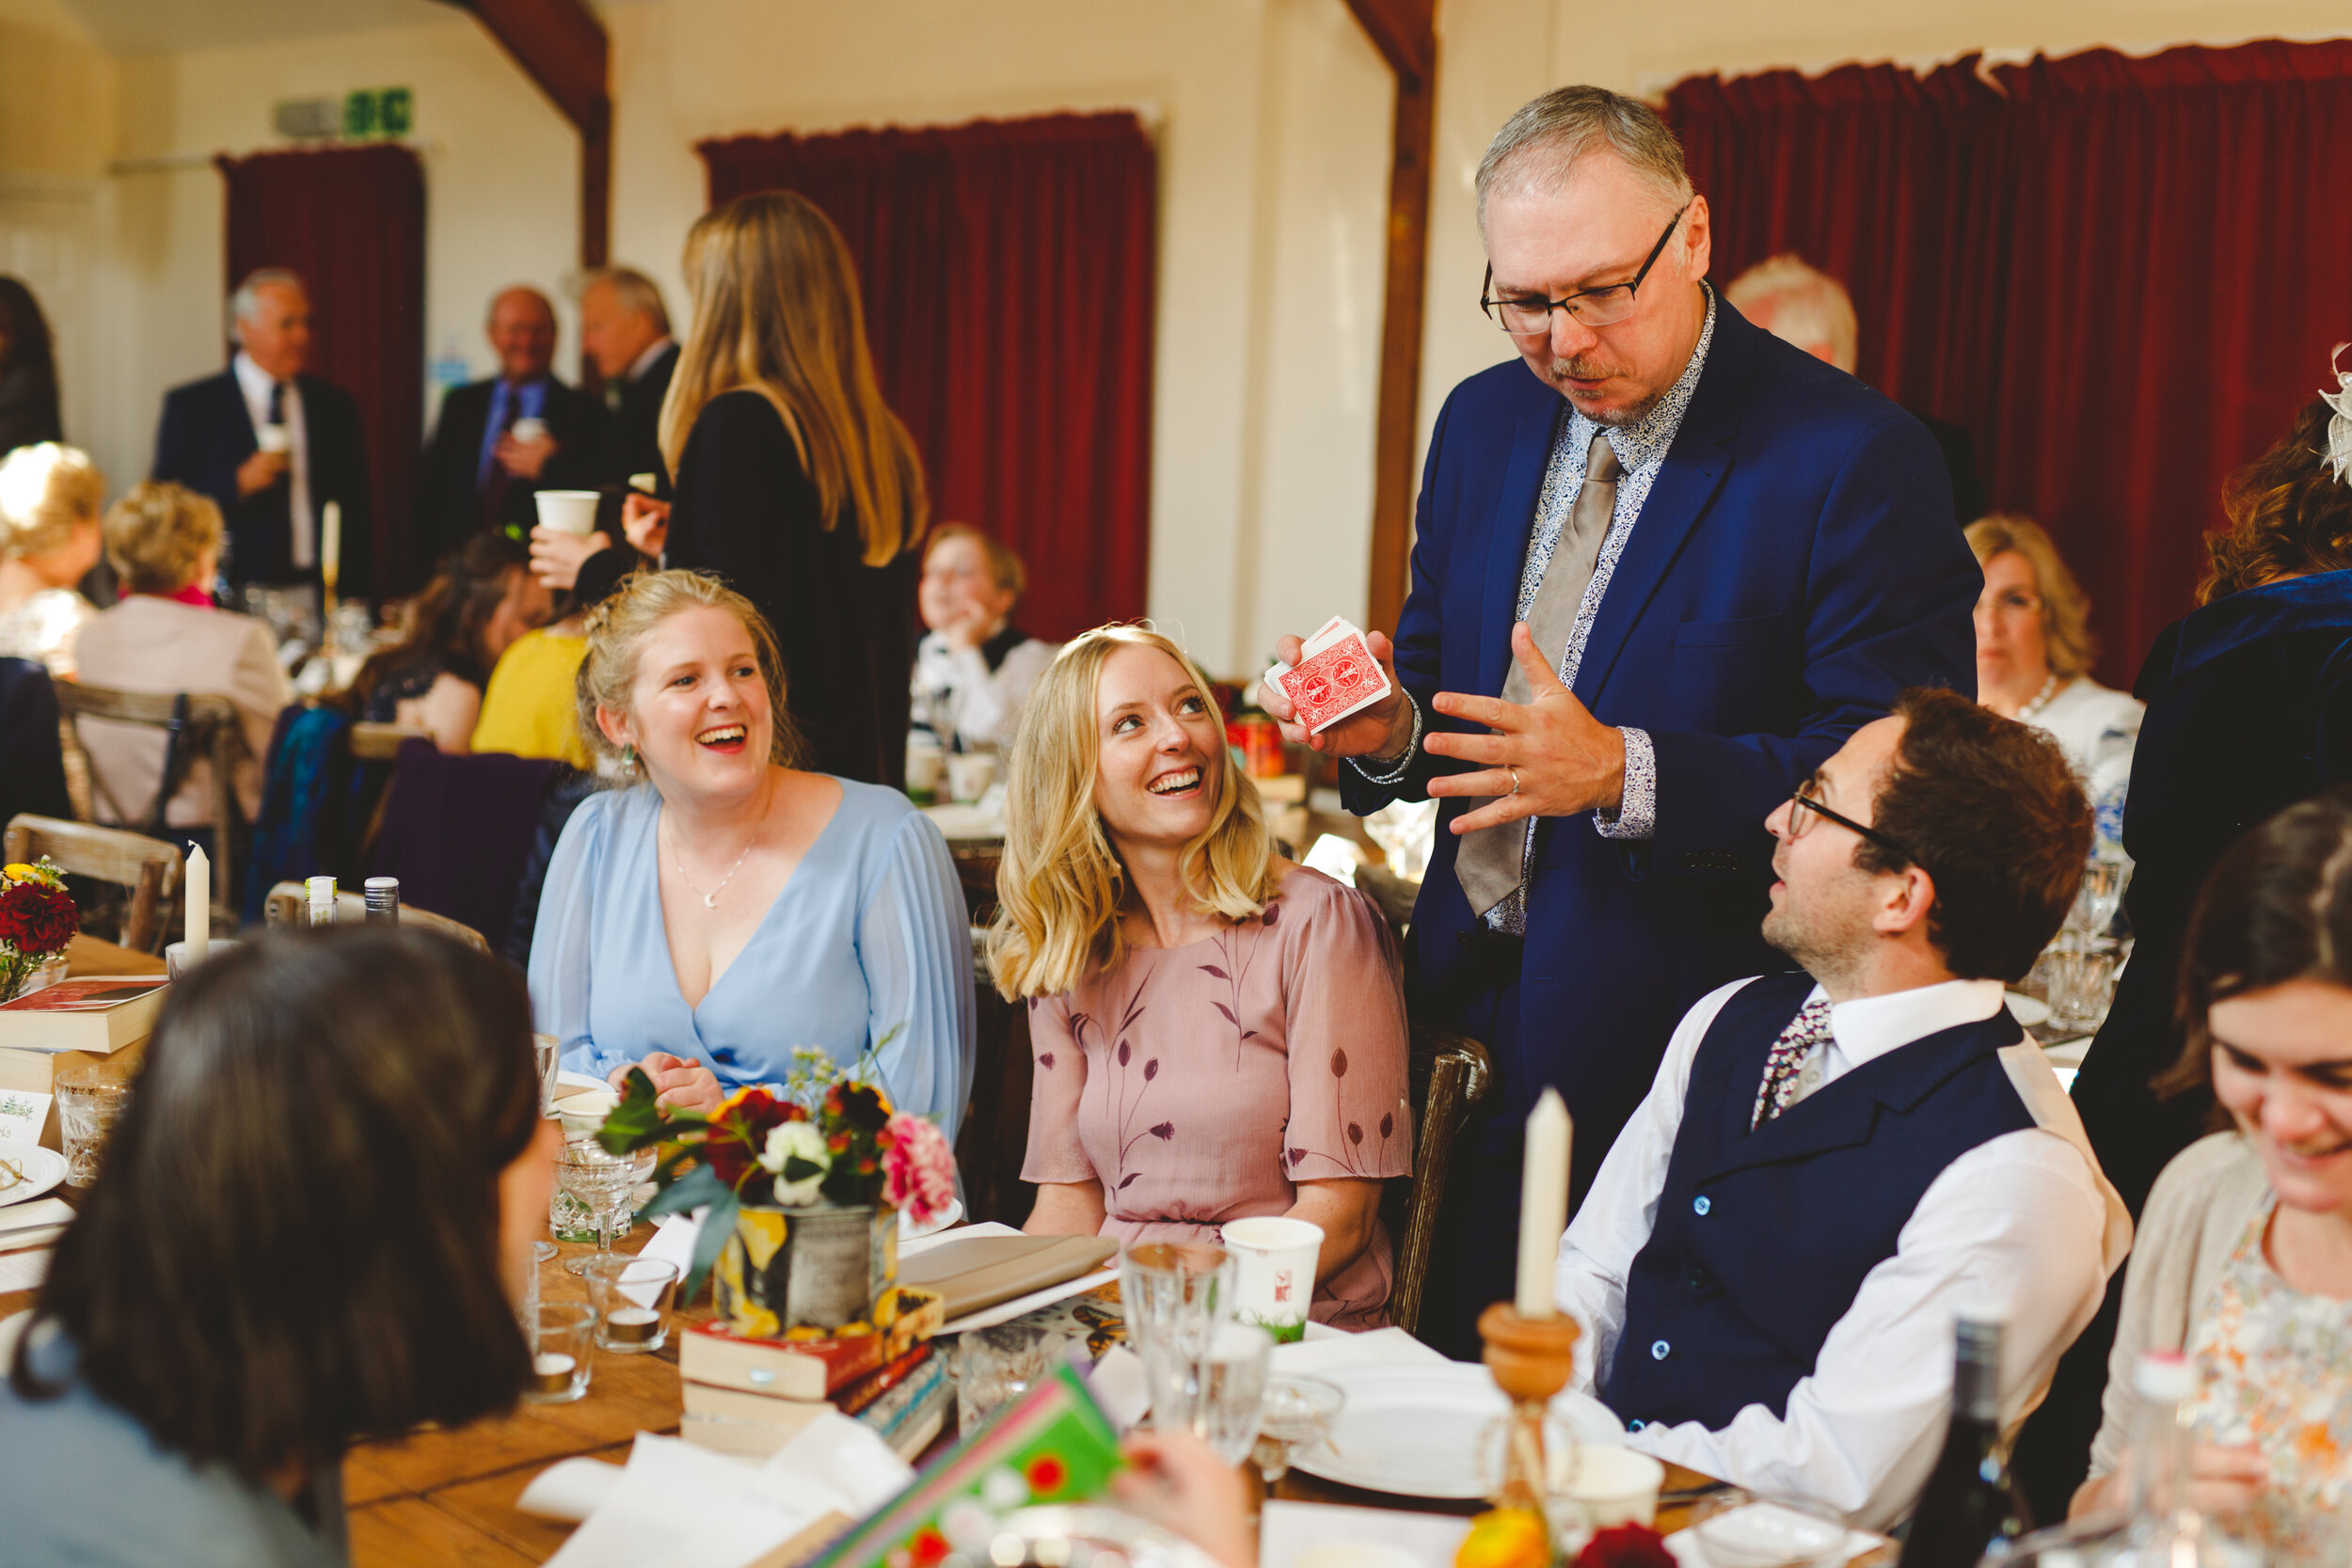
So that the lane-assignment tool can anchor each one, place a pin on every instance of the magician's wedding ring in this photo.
(1515, 779)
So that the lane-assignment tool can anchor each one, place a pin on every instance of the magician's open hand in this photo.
(1548, 756)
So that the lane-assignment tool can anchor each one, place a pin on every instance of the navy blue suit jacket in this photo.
(207, 432)
(1795, 566)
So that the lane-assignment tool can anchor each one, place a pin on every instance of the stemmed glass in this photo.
(600, 1183)
(1297, 1414)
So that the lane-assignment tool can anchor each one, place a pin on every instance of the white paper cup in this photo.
(1274, 1261)
(573, 512)
(1593, 1488)
(527, 429)
(274, 438)
(925, 766)
(969, 774)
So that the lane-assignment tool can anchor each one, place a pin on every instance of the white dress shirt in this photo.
(255, 383)
(2024, 1221)
(956, 688)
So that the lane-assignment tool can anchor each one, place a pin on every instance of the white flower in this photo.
(797, 1141)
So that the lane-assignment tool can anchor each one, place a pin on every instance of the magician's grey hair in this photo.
(1539, 143)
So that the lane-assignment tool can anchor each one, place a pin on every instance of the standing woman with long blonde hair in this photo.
(794, 480)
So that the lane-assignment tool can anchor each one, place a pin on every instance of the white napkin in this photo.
(1121, 1387)
(1686, 1548)
(671, 1241)
(1286, 1529)
(40, 1212)
(1372, 1348)
(680, 1506)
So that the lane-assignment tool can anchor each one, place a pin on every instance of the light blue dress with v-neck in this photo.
(869, 935)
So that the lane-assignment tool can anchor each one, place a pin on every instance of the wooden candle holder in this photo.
(1532, 1359)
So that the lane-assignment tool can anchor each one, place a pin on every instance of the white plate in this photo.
(43, 1169)
(1420, 1431)
(2030, 1012)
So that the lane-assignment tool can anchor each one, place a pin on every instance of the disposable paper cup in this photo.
(926, 765)
(1274, 1261)
(1593, 1488)
(572, 511)
(527, 429)
(274, 438)
(969, 774)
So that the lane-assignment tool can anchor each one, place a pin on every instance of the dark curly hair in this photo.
(2289, 515)
(1990, 808)
(448, 618)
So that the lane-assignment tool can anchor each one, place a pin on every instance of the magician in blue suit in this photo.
(1732, 555)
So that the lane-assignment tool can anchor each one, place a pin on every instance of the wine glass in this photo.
(1297, 1414)
(1219, 1395)
(600, 1183)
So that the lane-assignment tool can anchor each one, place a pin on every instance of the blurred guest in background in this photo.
(1800, 304)
(49, 540)
(795, 481)
(2250, 710)
(165, 636)
(32, 755)
(732, 906)
(478, 602)
(2034, 651)
(381, 1165)
(2244, 1257)
(531, 708)
(625, 329)
(271, 444)
(28, 371)
(498, 442)
(1267, 1073)
(974, 667)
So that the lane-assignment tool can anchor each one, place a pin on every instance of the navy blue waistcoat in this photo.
(1764, 1237)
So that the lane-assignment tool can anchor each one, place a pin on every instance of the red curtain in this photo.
(2121, 275)
(1008, 273)
(351, 221)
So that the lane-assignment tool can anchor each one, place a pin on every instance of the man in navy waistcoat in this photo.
(1830, 1162)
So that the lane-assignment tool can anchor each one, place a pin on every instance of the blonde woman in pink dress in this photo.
(1218, 1032)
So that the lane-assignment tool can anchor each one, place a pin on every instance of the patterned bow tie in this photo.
(1806, 1031)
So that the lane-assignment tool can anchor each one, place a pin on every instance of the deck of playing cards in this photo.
(1335, 676)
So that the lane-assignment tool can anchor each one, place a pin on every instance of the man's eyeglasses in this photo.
(1530, 314)
(1805, 800)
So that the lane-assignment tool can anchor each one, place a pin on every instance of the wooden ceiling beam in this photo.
(560, 45)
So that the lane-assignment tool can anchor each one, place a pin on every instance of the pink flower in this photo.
(918, 1168)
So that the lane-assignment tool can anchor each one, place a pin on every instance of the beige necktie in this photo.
(1491, 861)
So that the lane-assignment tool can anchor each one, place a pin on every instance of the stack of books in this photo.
(751, 1397)
(74, 1022)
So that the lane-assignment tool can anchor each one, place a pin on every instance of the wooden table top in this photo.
(88, 955)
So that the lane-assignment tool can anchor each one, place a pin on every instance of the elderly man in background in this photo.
(1665, 565)
(1800, 304)
(624, 330)
(272, 445)
(498, 442)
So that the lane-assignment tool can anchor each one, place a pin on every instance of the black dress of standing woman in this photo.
(794, 480)
(28, 372)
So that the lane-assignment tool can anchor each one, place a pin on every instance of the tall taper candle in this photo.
(1543, 1204)
(330, 542)
(197, 893)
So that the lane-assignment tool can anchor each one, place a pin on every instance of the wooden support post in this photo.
(562, 46)
(1405, 32)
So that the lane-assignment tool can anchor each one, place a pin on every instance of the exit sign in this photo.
(380, 112)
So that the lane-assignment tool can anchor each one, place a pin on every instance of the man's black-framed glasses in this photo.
(1806, 798)
(1524, 317)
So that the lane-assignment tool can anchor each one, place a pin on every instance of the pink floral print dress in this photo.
(1201, 1084)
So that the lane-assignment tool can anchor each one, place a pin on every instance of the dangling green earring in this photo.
(629, 758)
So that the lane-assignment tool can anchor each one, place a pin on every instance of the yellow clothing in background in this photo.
(530, 709)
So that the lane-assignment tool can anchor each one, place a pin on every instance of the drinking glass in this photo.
(633, 1297)
(996, 1366)
(92, 1097)
(1299, 1414)
(600, 1183)
(1175, 1294)
(559, 1363)
(1219, 1397)
(546, 1050)
(2082, 980)
(2100, 897)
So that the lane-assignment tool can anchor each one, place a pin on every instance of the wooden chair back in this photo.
(1449, 1074)
(290, 905)
(382, 742)
(994, 1137)
(198, 726)
(147, 869)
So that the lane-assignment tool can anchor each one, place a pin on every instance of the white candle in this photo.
(330, 542)
(554, 1369)
(197, 894)
(1543, 1204)
(632, 1325)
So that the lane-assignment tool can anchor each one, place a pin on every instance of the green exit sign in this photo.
(380, 112)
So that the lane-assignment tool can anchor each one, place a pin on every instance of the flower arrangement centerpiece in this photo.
(36, 920)
(802, 1185)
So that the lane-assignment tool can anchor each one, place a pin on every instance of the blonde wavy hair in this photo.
(158, 532)
(1061, 885)
(617, 629)
(2066, 639)
(46, 492)
(776, 310)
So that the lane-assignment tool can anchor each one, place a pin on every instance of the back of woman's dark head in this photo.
(24, 331)
(2290, 514)
(292, 1242)
(2276, 906)
(448, 617)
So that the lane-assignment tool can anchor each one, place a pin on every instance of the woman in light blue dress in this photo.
(725, 909)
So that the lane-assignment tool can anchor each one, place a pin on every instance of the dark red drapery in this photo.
(2121, 275)
(1007, 270)
(351, 221)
